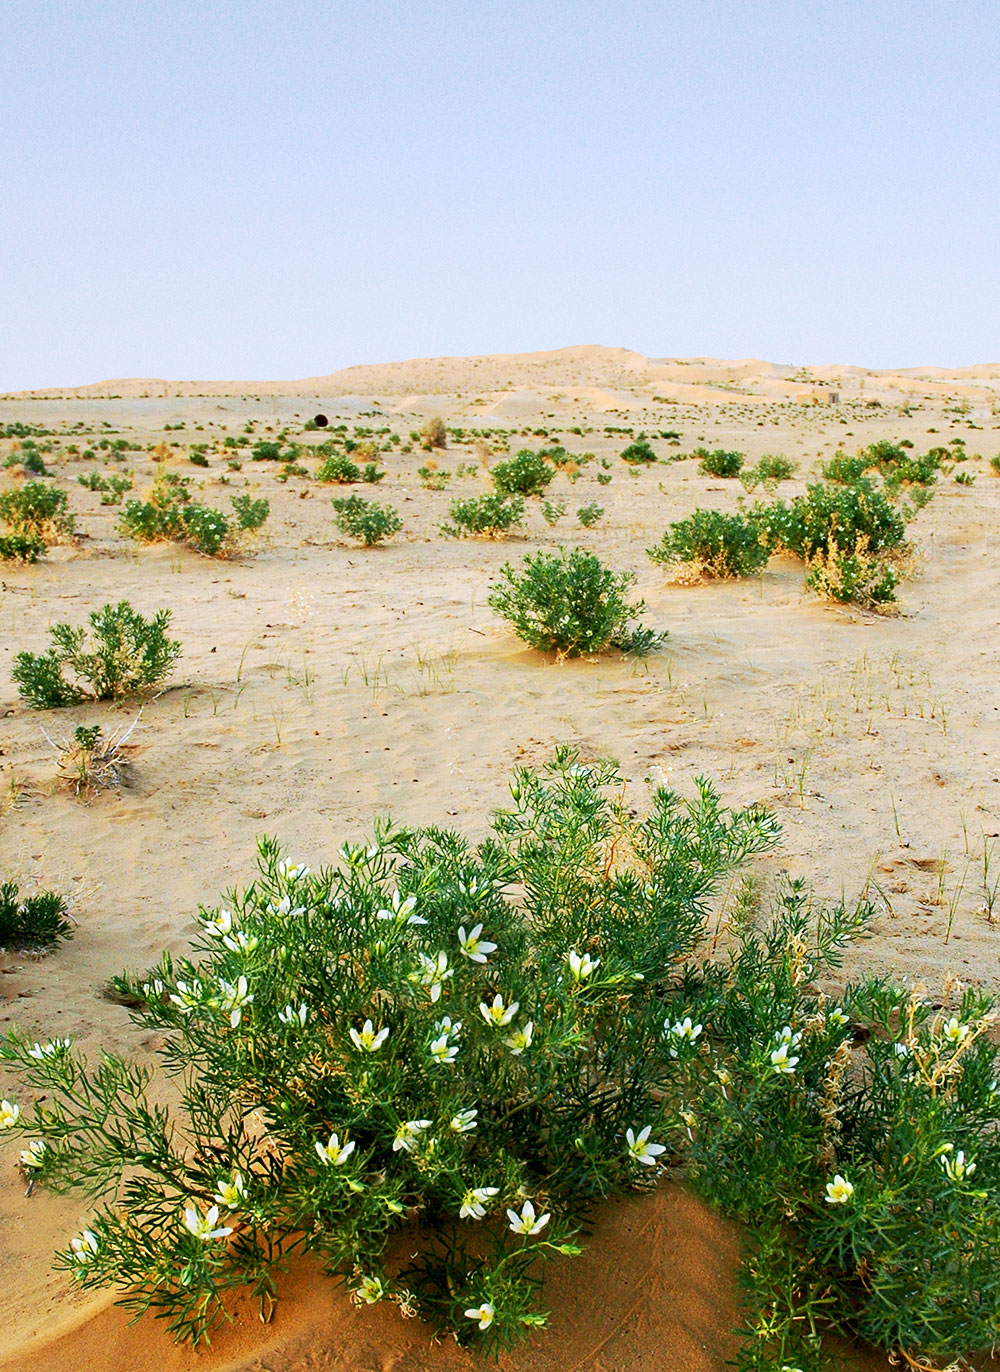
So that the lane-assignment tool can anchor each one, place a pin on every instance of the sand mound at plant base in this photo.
(654, 1290)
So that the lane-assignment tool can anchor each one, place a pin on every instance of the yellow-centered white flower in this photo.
(782, 1062)
(464, 1121)
(433, 973)
(292, 871)
(520, 1040)
(402, 910)
(527, 1222)
(334, 1153)
(640, 1148)
(499, 1014)
(482, 1314)
(234, 998)
(956, 1168)
(231, 1192)
(474, 946)
(370, 1290)
(205, 1226)
(839, 1191)
(10, 1113)
(368, 1040)
(84, 1247)
(41, 1051)
(408, 1134)
(954, 1031)
(474, 1202)
(581, 966)
(220, 924)
(294, 1018)
(34, 1154)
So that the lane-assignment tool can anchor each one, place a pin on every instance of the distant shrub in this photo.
(638, 452)
(434, 434)
(127, 653)
(553, 511)
(775, 467)
(39, 921)
(713, 544)
(720, 462)
(526, 473)
(486, 516)
(20, 548)
(198, 459)
(267, 450)
(37, 510)
(171, 516)
(372, 473)
(995, 464)
(338, 468)
(365, 520)
(250, 514)
(588, 515)
(433, 477)
(844, 515)
(844, 470)
(569, 603)
(29, 459)
(205, 529)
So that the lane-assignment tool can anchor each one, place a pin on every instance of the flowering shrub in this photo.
(488, 516)
(366, 520)
(527, 473)
(426, 1063)
(37, 511)
(570, 603)
(398, 1042)
(714, 544)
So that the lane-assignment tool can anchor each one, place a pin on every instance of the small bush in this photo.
(205, 529)
(433, 477)
(775, 467)
(198, 459)
(710, 543)
(569, 603)
(857, 577)
(638, 452)
(604, 478)
(267, 450)
(127, 654)
(526, 473)
(995, 464)
(371, 473)
(720, 462)
(250, 514)
(844, 515)
(484, 516)
(20, 548)
(38, 511)
(844, 470)
(553, 511)
(365, 520)
(29, 459)
(340, 469)
(588, 515)
(40, 921)
(434, 434)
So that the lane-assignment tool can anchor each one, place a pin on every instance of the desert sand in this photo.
(321, 683)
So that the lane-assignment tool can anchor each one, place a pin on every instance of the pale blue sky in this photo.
(281, 188)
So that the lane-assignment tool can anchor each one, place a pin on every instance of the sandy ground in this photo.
(320, 684)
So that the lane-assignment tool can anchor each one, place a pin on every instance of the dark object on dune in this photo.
(320, 420)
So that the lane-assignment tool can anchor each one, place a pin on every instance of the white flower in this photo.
(498, 1014)
(839, 1191)
(230, 1193)
(786, 1036)
(292, 1017)
(84, 1247)
(837, 1018)
(334, 1153)
(408, 1135)
(9, 1114)
(520, 1039)
(368, 1040)
(901, 1050)
(369, 1290)
(474, 1202)
(34, 1154)
(482, 1313)
(580, 968)
(189, 996)
(49, 1050)
(220, 924)
(233, 999)
(781, 1062)
(956, 1168)
(292, 871)
(443, 1051)
(464, 1121)
(284, 907)
(640, 1149)
(475, 948)
(433, 973)
(526, 1222)
(402, 911)
(683, 1030)
(203, 1226)
(954, 1031)
(240, 942)
(473, 890)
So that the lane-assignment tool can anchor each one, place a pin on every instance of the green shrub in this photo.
(267, 450)
(38, 921)
(338, 468)
(604, 478)
(570, 603)
(638, 452)
(29, 459)
(775, 467)
(127, 654)
(487, 516)
(205, 529)
(553, 511)
(20, 548)
(197, 459)
(713, 544)
(995, 463)
(844, 470)
(719, 462)
(433, 477)
(365, 520)
(372, 473)
(588, 515)
(37, 510)
(399, 1037)
(858, 577)
(844, 515)
(526, 473)
(145, 522)
(250, 514)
